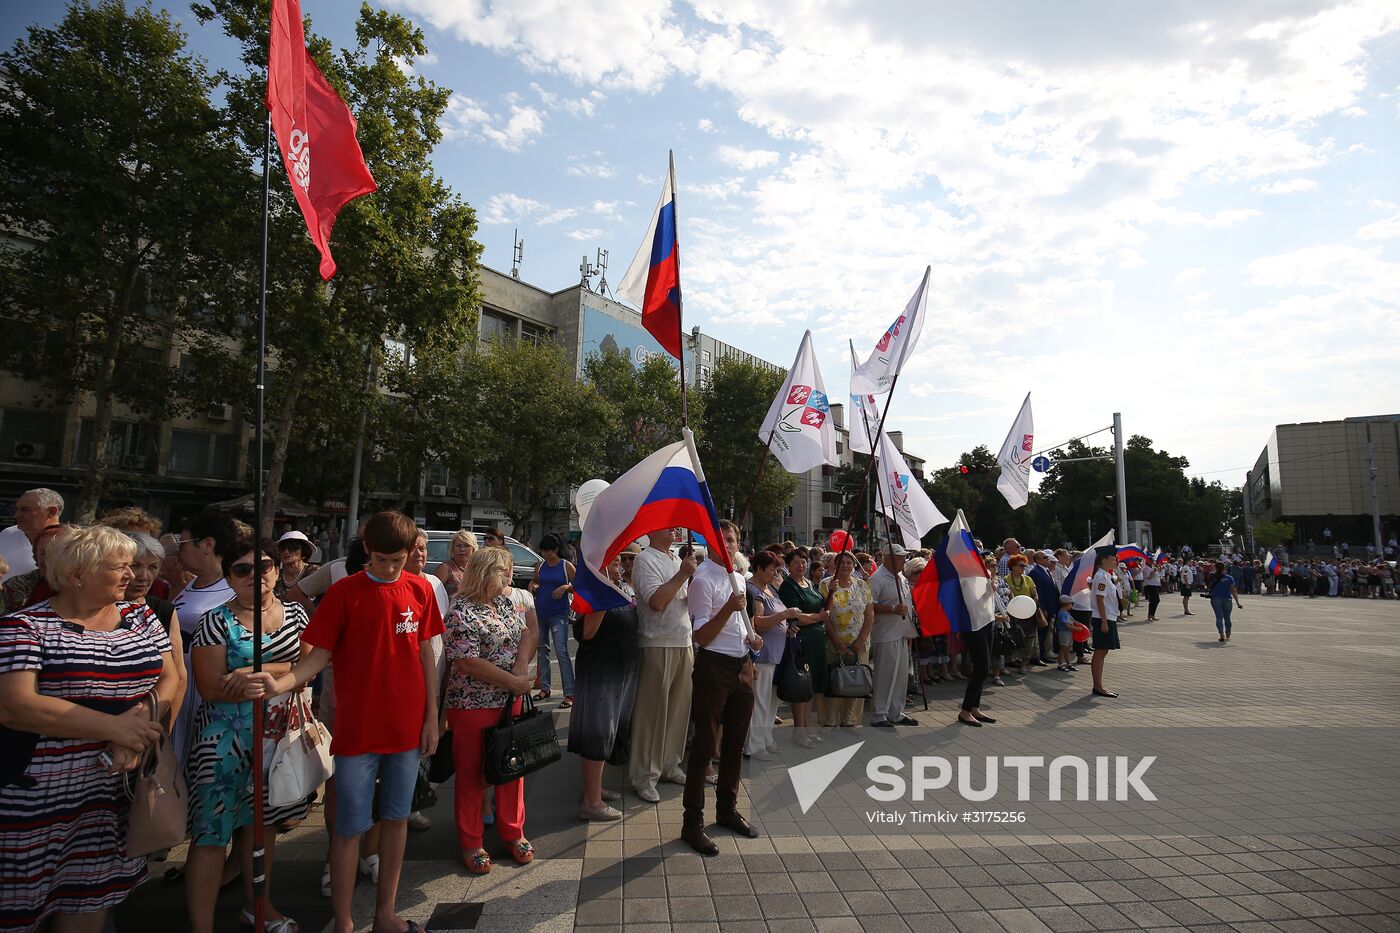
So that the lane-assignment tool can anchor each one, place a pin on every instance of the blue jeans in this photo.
(1222, 606)
(354, 789)
(555, 631)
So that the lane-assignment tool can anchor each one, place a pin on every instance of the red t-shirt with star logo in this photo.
(373, 631)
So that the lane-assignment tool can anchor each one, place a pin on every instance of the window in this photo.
(483, 488)
(197, 453)
(705, 355)
(29, 436)
(131, 445)
(496, 327)
(535, 333)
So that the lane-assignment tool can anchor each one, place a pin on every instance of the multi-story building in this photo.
(1317, 475)
(177, 467)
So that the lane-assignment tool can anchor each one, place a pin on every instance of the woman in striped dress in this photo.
(75, 674)
(221, 759)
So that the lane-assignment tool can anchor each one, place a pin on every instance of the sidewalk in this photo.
(1278, 786)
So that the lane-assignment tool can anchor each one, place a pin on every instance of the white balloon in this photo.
(17, 551)
(583, 499)
(1021, 607)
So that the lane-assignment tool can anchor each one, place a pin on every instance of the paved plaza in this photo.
(1276, 773)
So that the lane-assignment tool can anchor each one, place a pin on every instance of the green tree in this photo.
(527, 424)
(727, 411)
(406, 254)
(644, 408)
(1272, 534)
(121, 180)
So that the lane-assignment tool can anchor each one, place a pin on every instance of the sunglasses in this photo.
(246, 570)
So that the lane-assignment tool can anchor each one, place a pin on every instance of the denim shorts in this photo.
(354, 789)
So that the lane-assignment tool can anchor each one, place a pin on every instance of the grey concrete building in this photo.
(1318, 475)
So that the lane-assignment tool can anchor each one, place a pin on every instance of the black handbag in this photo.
(519, 745)
(793, 678)
(441, 765)
(850, 680)
(1003, 643)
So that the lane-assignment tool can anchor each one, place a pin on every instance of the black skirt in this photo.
(605, 682)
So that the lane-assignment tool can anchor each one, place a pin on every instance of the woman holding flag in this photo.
(1105, 627)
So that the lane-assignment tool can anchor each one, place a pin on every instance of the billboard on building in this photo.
(606, 334)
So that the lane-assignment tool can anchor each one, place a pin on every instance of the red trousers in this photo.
(468, 727)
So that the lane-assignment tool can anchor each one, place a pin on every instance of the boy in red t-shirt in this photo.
(376, 627)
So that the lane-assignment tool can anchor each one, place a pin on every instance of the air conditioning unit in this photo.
(219, 413)
(439, 490)
(28, 450)
(454, 491)
(134, 462)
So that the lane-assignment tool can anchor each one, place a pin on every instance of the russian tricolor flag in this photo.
(666, 490)
(1131, 554)
(1081, 571)
(1270, 564)
(954, 593)
(653, 280)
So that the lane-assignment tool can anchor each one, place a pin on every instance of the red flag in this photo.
(315, 131)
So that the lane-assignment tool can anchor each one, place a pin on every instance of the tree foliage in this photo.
(1272, 534)
(731, 406)
(643, 404)
(125, 184)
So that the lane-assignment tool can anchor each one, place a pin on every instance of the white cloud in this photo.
(1287, 186)
(1189, 276)
(706, 125)
(510, 209)
(1387, 229)
(746, 160)
(589, 165)
(467, 118)
(585, 233)
(585, 106)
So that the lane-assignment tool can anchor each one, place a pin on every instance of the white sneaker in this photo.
(803, 739)
(647, 793)
(369, 866)
(675, 776)
(772, 748)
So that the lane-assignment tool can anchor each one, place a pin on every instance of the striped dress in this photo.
(220, 763)
(62, 839)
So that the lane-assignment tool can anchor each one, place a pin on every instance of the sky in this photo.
(1186, 211)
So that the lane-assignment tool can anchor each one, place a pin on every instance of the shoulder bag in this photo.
(793, 678)
(302, 760)
(849, 679)
(159, 799)
(519, 745)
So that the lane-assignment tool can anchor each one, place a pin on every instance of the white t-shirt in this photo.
(1103, 585)
(887, 590)
(710, 588)
(440, 591)
(193, 602)
(1153, 577)
(669, 628)
(1188, 574)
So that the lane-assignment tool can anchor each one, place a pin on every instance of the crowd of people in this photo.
(123, 635)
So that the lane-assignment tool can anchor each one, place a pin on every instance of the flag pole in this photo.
(880, 486)
(758, 476)
(680, 301)
(259, 870)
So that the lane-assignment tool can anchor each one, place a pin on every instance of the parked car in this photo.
(525, 559)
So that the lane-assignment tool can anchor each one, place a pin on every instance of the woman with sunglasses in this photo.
(221, 760)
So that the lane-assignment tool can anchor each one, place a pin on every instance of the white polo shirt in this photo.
(1104, 585)
(669, 628)
(710, 588)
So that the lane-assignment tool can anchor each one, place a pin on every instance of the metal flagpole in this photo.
(680, 314)
(259, 871)
(758, 476)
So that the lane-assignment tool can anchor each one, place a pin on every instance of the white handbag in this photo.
(302, 761)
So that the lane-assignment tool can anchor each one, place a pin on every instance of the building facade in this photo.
(1317, 475)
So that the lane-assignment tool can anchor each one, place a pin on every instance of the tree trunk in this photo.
(95, 476)
(281, 438)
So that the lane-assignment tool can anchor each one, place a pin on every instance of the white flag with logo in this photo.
(1015, 458)
(799, 420)
(865, 415)
(876, 375)
(905, 500)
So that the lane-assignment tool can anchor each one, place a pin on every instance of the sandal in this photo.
(478, 863)
(542, 695)
(566, 702)
(522, 852)
(281, 925)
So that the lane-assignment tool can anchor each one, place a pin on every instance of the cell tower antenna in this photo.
(602, 266)
(585, 271)
(518, 255)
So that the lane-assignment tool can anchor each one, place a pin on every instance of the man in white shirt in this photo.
(889, 640)
(1188, 580)
(1059, 570)
(661, 711)
(721, 696)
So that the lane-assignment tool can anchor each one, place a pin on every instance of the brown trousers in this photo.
(719, 703)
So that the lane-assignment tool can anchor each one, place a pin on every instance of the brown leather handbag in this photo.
(159, 799)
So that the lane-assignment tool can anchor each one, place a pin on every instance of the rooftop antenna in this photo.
(519, 254)
(602, 266)
(585, 269)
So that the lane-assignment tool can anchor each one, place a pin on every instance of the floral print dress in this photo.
(220, 767)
